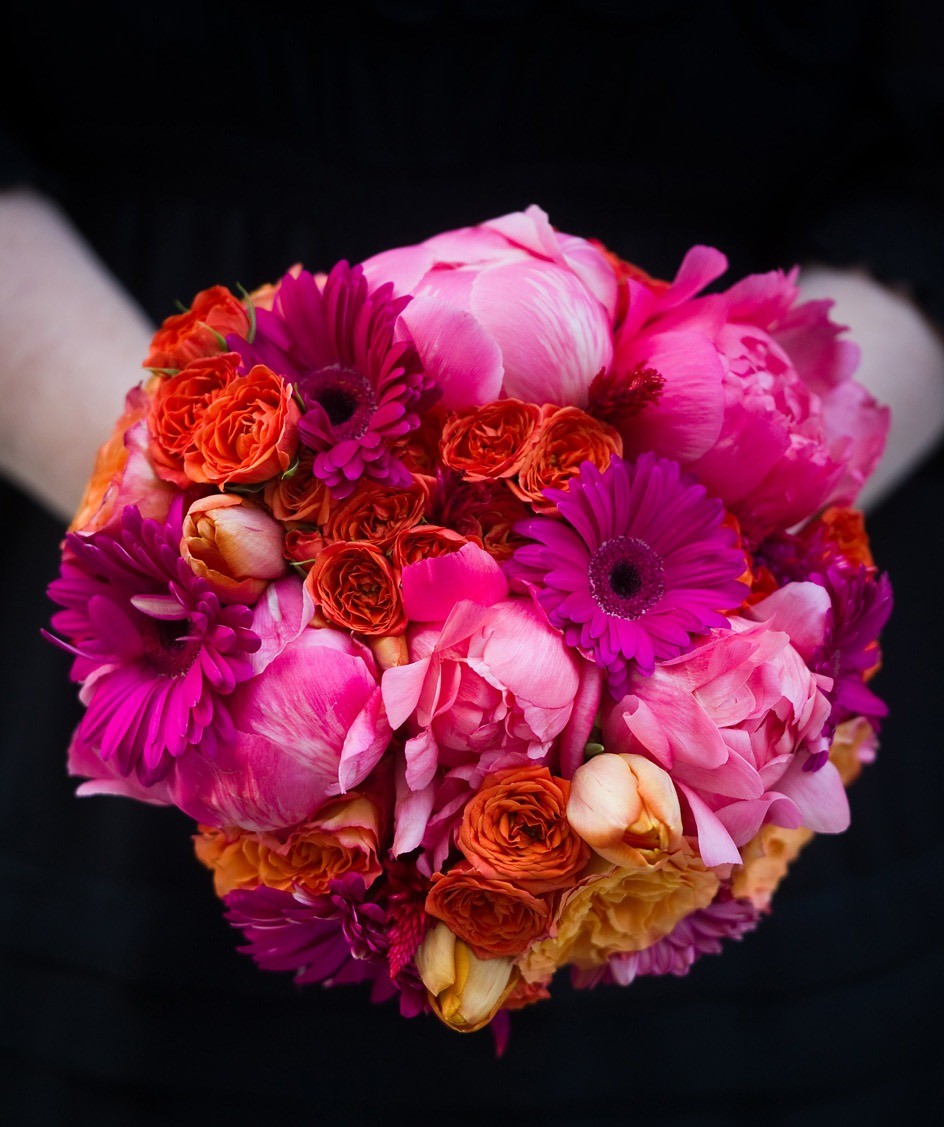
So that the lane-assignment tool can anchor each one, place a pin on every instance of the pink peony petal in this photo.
(431, 588)
(279, 617)
(715, 844)
(553, 334)
(456, 351)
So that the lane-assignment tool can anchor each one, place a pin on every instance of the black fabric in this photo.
(201, 143)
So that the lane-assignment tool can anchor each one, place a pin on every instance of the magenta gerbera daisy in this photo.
(640, 564)
(155, 650)
(361, 389)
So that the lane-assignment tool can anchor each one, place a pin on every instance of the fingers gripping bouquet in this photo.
(491, 606)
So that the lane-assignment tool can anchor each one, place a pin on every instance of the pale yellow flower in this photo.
(620, 910)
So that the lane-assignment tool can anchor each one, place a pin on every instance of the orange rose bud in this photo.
(299, 496)
(568, 437)
(342, 838)
(357, 588)
(177, 410)
(376, 512)
(493, 916)
(490, 441)
(248, 432)
(234, 545)
(187, 336)
(425, 542)
(516, 829)
(303, 546)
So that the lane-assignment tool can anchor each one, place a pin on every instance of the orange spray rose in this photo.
(187, 336)
(490, 441)
(567, 437)
(516, 828)
(357, 588)
(493, 916)
(248, 432)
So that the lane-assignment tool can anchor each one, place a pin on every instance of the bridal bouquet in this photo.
(491, 606)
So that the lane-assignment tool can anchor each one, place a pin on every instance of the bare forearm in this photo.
(71, 344)
(902, 365)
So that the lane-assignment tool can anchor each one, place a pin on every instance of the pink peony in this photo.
(738, 724)
(509, 307)
(489, 685)
(757, 400)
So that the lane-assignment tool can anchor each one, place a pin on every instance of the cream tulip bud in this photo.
(234, 545)
(625, 807)
(464, 991)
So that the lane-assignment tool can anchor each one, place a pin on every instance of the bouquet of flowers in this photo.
(491, 606)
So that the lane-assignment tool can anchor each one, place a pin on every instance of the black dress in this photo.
(202, 143)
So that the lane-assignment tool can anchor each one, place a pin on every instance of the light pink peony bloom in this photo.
(509, 307)
(738, 724)
(758, 399)
(489, 685)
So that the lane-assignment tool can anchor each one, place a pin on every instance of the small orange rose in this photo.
(419, 450)
(177, 410)
(299, 496)
(187, 336)
(303, 546)
(567, 437)
(493, 916)
(516, 828)
(357, 588)
(376, 512)
(490, 441)
(248, 431)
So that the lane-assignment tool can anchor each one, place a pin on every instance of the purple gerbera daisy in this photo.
(361, 389)
(640, 564)
(155, 650)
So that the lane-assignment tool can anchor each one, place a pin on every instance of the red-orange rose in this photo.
(567, 437)
(492, 916)
(248, 433)
(376, 512)
(187, 336)
(490, 441)
(516, 828)
(178, 407)
(356, 587)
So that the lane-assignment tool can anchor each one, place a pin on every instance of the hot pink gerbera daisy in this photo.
(361, 389)
(155, 650)
(640, 564)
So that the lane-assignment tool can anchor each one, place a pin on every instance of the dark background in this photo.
(201, 143)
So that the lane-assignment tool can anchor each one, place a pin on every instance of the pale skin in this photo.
(72, 341)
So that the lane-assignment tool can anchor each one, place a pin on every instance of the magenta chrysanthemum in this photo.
(334, 938)
(640, 564)
(155, 650)
(361, 389)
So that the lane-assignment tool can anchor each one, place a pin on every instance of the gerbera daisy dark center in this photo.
(346, 397)
(626, 577)
(169, 647)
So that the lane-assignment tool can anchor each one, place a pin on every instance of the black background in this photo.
(200, 143)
